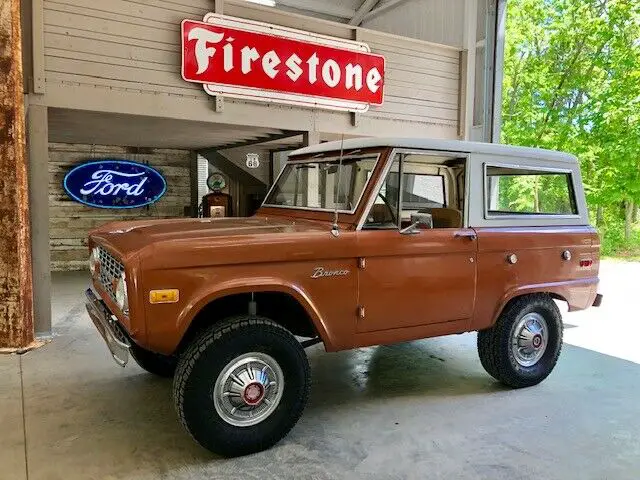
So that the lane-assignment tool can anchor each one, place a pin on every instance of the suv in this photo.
(359, 242)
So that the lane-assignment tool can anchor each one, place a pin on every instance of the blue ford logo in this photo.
(114, 184)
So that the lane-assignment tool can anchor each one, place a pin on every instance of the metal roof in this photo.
(439, 145)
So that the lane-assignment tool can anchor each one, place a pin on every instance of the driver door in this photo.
(415, 277)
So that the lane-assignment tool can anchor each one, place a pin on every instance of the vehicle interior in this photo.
(433, 193)
(432, 186)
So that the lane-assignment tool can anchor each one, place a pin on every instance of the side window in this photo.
(522, 191)
(384, 211)
(421, 190)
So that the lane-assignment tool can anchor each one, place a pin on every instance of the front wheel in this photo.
(523, 346)
(241, 386)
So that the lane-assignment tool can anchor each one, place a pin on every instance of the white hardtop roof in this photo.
(440, 145)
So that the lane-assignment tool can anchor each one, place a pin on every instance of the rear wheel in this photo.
(523, 346)
(241, 386)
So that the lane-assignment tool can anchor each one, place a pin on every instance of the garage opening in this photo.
(219, 171)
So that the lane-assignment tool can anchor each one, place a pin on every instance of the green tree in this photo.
(572, 83)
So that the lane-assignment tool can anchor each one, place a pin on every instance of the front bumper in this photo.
(107, 325)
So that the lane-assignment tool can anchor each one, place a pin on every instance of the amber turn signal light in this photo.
(169, 295)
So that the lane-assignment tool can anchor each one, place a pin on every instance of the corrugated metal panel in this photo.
(438, 21)
(70, 221)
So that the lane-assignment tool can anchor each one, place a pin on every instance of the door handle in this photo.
(471, 235)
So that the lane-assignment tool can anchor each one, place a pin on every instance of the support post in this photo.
(38, 151)
(310, 138)
(498, 67)
(193, 181)
(16, 301)
(468, 70)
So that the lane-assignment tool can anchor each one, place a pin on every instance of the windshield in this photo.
(322, 185)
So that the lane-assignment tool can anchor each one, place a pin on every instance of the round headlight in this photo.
(121, 293)
(94, 259)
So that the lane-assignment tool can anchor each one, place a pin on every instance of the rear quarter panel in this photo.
(539, 267)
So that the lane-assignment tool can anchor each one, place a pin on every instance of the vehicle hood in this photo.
(128, 238)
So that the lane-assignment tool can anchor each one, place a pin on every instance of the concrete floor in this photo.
(424, 409)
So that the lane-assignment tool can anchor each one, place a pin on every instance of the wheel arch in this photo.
(554, 293)
(296, 311)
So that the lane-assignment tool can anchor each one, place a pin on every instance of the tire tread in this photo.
(215, 334)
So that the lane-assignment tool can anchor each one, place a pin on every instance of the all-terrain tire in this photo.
(494, 344)
(161, 365)
(206, 357)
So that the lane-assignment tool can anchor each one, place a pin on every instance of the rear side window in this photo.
(521, 191)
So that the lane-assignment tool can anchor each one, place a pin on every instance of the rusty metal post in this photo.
(16, 299)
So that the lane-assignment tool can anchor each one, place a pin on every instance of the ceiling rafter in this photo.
(365, 7)
(324, 8)
(252, 141)
(391, 4)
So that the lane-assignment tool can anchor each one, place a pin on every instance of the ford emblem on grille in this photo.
(110, 183)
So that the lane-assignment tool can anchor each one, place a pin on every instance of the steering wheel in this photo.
(391, 212)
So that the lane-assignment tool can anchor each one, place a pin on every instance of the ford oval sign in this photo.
(114, 184)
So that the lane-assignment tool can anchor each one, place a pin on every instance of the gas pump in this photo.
(216, 203)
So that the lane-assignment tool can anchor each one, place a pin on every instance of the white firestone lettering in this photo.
(373, 77)
(228, 55)
(331, 73)
(269, 63)
(202, 52)
(293, 63)
(313, 68)
(249, 55)
(354, 77)
(102, 183)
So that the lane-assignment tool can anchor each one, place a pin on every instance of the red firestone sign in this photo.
(254, 60)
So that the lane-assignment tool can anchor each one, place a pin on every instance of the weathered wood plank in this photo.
(70, 221)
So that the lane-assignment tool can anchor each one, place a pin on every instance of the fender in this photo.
(579, 294)
(244, 285)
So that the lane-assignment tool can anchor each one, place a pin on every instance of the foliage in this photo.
(572, 83)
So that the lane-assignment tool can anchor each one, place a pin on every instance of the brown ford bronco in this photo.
(360, 242)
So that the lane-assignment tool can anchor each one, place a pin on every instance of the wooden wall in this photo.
(126, 46)
(70, 221)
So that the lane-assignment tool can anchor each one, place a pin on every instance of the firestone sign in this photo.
(253, 60)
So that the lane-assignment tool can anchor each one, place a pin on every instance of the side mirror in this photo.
(418, 220)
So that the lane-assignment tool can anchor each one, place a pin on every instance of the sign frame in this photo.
(271, 95)
(94, 162)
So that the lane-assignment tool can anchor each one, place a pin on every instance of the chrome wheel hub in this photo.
(248, 389)
(530, 338)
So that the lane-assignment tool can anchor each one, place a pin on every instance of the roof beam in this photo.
(318, 7)
(365, 8)
(383, 8)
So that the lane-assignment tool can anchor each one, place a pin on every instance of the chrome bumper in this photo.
(107, 325)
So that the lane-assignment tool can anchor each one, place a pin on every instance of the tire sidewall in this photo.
(200, 415)
(543, 367)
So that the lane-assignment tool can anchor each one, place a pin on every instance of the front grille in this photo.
(110, 269)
